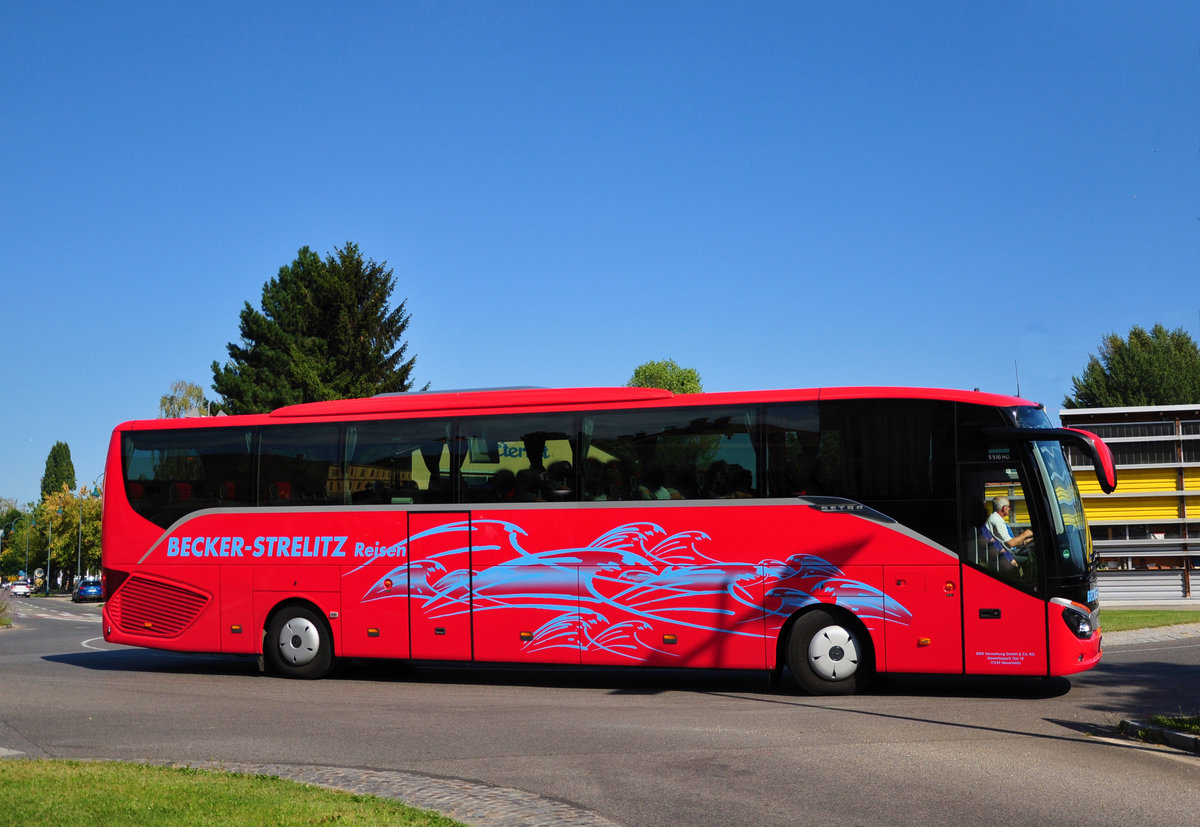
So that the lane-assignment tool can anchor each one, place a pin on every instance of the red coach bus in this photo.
(838, 532)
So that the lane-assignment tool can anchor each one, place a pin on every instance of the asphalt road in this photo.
(504, 746)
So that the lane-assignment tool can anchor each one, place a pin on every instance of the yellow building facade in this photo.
(1147, 533)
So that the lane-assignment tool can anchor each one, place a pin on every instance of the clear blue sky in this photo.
(778, 194)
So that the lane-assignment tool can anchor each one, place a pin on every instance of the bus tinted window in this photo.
(300, 465)
(527, 458)
(670, 454)
(171, 473)
(902, 450)
(791, 435)
(897, 457)
(398, 462)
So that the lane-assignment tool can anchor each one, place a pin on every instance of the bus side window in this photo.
(397, 462)
(171, 473)
(513, 459)
(792, 436)
(300, 465)
(672, 454)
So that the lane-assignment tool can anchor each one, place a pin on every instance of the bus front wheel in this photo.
(298, 644)
(828, 655)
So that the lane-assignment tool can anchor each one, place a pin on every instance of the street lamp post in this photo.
(95, 492)
(85, 495)
(49, 545)
(79, 553)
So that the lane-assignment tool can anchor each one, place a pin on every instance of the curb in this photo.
(469, 802)
(1141, 731)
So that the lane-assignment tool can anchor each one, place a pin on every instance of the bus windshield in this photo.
(1073, 545)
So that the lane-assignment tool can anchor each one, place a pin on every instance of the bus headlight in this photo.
(1078, 620)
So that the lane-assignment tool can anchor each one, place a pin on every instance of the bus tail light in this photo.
(111, 580)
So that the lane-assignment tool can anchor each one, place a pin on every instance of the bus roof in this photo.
(511, 400)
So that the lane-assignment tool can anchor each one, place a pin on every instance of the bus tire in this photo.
(828, 654)
(298, 644)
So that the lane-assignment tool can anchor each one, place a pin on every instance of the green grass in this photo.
(1122, 620)
(85, 792)
(1181, 723)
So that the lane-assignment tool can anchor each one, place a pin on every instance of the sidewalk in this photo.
(1151, 635)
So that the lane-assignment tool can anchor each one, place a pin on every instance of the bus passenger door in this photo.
(439, 585)
(1004, 619)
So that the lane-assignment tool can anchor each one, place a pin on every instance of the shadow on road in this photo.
(1142, 688)
(618, 681)
(149, 660)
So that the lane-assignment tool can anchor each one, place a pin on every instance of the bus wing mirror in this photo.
(1102, 458)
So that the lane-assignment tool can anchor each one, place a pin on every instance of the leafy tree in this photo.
(70, 522)
(60, 471)
(10, 518)
(666, 375)
(185, 399)
(325, 331)
(22, 541)
(1161, 367)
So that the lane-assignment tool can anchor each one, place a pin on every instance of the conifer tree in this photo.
(1161, 367)
(325, 331)
(60, 470)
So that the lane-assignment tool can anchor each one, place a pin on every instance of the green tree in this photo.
(75, 538)
(185, 399)
(326, 330)
(21, 542)
(60, 471)
(1161, 367)
(10, 518)
(666, 375)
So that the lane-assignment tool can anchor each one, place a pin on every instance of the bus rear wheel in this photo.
(298, 645)
(828, 655)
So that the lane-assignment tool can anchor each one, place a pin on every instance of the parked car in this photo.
(21, 588)
(86, 590)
